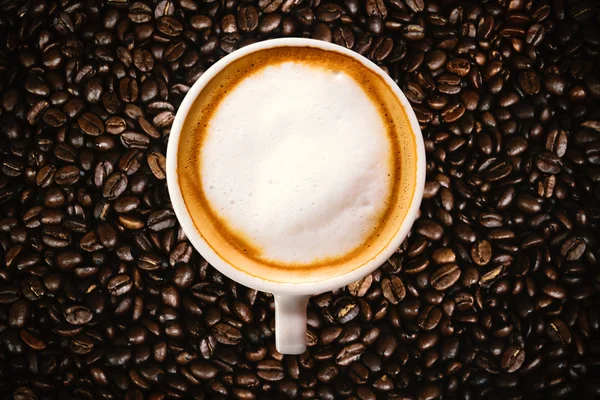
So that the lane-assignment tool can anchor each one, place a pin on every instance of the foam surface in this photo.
(296, 160)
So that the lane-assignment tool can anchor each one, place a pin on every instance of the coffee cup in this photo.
(295, 167)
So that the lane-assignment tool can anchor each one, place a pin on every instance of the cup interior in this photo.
(263, 283)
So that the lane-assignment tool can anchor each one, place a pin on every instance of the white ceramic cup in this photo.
(290, 299)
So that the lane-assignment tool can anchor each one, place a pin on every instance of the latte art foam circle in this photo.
(296, 162)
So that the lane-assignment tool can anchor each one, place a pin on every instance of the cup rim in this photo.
(302, 288)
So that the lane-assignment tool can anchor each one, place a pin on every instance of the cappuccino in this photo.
(297, 164)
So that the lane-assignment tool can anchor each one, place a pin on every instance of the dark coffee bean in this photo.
(66, 153)
(358, 373)
(556, 142)
(270, 370)
(414, 32)
(8, 295)
(528, 204)
(349, 354)
(530, 82)
(33, 340)
(247, 18)
(55, 236)
(77, 315)
(68, 260)
(54, 117)
(269, 6)
(227, 334)
(573, 248)
(228, 24)
(161, 220)
(512, 359)
(128, 90)
(114, 186)
(361, 287)
(330, 334)
(163, 119)
(386, 346)
(115, 125)
(67, 175)
(453, 112)
(416, 5)
(169, 26)
(119, 285)
(157, 163)
(393, 289)
(107, 235)
(117, 357)
(19, 314)
(430, 229)
(346, 309)
(558, 332)
(429, 392)
(429, 317)
(445, 276)
(382, 48)
(443, 255)
(91, 124)
(481, 252)
(555, 85)
(343, 36)
(142, 59)
(459, 66)
(322, 32)
(139, 13)
(200, 22)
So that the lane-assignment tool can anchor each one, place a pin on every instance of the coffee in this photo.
(297, 164)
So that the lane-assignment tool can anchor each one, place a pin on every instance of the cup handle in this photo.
(290, 323)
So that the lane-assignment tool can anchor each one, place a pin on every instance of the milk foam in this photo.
(296, 159)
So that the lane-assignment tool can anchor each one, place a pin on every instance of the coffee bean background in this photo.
(495, 294)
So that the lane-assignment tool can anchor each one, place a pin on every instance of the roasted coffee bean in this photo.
(157, 163)
(346, 309)
(558, 332)
(169, 26)
(142, 59)
(91, 124)
(429, 317)
(115, 125)
(119, 285)
(54, 117)
(556, 142)
(33, 340)
(55, 236)
(247, 18)
(161, 220)
(227, 334)
(128, 90)
(114, 185)
(445, 276)
(512, 359)
(203, 370)
(349, 354)
(67, 175)
(573, 248)
(481, 252)
(322, 32)
(393, 289)
(77, 315)
(68, 260)
(270, 370)
(361, 287)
